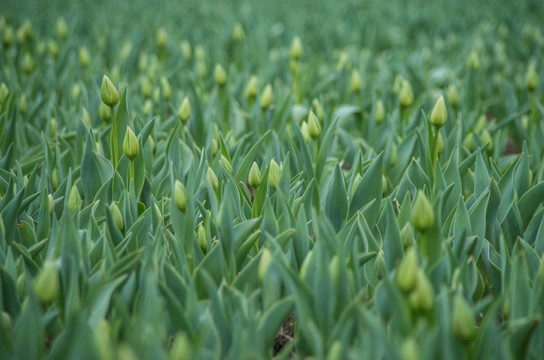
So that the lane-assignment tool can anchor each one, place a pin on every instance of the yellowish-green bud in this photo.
(117, 216)
(409, 350)
(394, 155)
(318, 109)
(305, 132)
(53, 48)
(439, 114)
(47, 284)
(486, 139)
(146, 87)
(24, 32)
(531, 78)
(541, 270)
(355, 81)
(125, 352)
(161, 37)
(469, 143)
(55, 179)
(408, 270)
(379, 112)
(51, 204)
(384, 184)
(53, 128)
(76, 91)
(473, 61)
(264, 263)
(6, 324)
(305, 264)
(148, 107)
(84, 57)
(254, 177)
(201, 68)
(108, 92)
(86, 117)
(212, 178)
(184, 111)
(266, 97)
(314, 129)
(463, 323)
(226, 163)
(28, 63)
(202, 240)
(200, 52)
(180, 196)
(159, 213)
(453, 95)
(62, 28)
(220, 75)
(295, 50)
(407, 235)
(74, 199)
(166, 89)
(186, 50)
(126, 49)
(131, 148)
(406, 96)
(8, 36)
(182, 349)
(215, 147)
(252, 87)
(23, 107)
(397, 83)
(4, 92)
(379, 265)
(422, 297)
(104, 111)
(524, 120)
(274, 173)
(238, 33)
(335, 351)
(422, 212)
(142, 62)
(102, 336)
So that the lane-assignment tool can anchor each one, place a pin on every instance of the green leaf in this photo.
(336, 201)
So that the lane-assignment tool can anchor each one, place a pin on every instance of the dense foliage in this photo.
(242, 180)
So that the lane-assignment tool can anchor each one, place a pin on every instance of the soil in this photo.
(285, 335)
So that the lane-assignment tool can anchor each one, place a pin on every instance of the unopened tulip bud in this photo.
(238, 33)
(453, 95)
(23, 107)
(83, 57)
(28, 63)
(439, 114)
(53, 128)
(108, 92)
(104, 111)
(131, 148)
(226, 163)
(379, 113)
(166, 89)
(440, 143)
(379, 265)
(355, 81)
(47, 284)
(117, 216)
(274, 173)
(220, 75)
(422, 212)
(147, 87)
(407, 235)
(51, 204)
(314, 129)
(409, 350)
(254, 177)
(53, 48)
(463, 323)
(304, 130)
(266, 97)
(186, 50)
(162, 37)
(531, 79)
(148, 107)
(295, 50)
(318, 109)
(74, 199)
(252, 87)
(184, 111)
(406, 96)
(62, 28)
(202, 240)
(408, 270)
(422, 297)
(356, 181)
(212, 178)
(264, 263)
(473, 61)
(55, 179)
(4, 92)
(180, 196)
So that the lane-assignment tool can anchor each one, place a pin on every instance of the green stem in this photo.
(130, 171)
(434, 155)
(113, 141)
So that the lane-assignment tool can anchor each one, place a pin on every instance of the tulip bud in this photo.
(238, 33)
(62, 28)
(422, 212)
(314, 129)
(295, 50)
(131, 148)
(161, 37)
(215, 147)
(305, 132)
(220, 75)
(83, 57)
(53, 48)
(264, 263)
(531, 78)
(273, 173)
(407, 235)
(55, 179)
(473, 61)
(4, 92)
(379, 112)
(226, 163)
(409, 350)
(201, 68)
(85, 117)
(104, 111)
(318, 109)
(212, 178)
(254, 177)
(166, 89)
(147, 87)
(422, 297)
(126, 50)
(47, 284)
(74, 199)
(408, 270)
(180, 197)
(486, 139)
(202, 240)
(117, 216)
(540, 274)
(355, 81)
(22, 104)
(51, 204)
(453, 96)
(251, 88)
(186, 50)
(266, 97)
(28, 63)
(102, 336)
(108, 92)
(184, 111)
(406, 96)
(463, 323)
(8, 36)
(439, 114)
(469, 142)
(393, 155)
(6, 324)
(379, 265)
(53, 128)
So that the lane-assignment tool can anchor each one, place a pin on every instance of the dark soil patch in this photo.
(285, 335)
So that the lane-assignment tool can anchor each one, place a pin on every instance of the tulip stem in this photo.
(114, 139)
(434, 154)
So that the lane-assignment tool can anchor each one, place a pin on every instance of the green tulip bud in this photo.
(125, 352)
(161, 37)
(540, 274)
(62, 28)
(274, 173)
(55, 179)
(220, 75)
(469, 143)
(226, 163)
(379, 112)
(409, 350)
(201, 68)
(53, 128)
(180, 196)
(47, 284)
(238, 33)
(182, 349)
(23, 107)
(117, 216)
(355, 81)
(51, 204)
(422, 212)
(102, 336)
(407, 235)
(393, 156)
(463, 323)
(53, 48)
(126, 50)
(108, 92)
(131, 148)
(335, 351)
(295, 51)
(473, 61)
(304, 130)
(84, 57)
(159, 213)
(4, 92)
(531, 79)
(186, 51)
(406, 96)
(264, 263)
(215, 147)
(8, 36)
(318, 109)
(184, 111)
(266, 97)
(252, 87)
(28, 63)
(408, 270)
(254, 177)
(453, 96)
(6, 324)
(74, 199)
(439, 114)
(148, 107)
(379, 265)
(212, 178)
(146, 87)
(104, 111)
(486, 139)
(422, 297)
(314, 129)
(166, 89)
(202, 239)
(76, 91)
